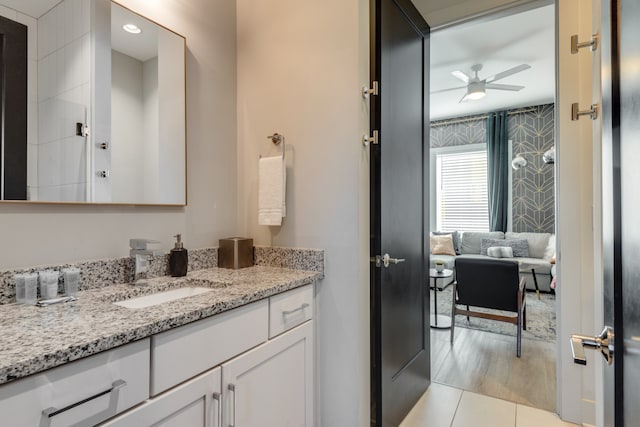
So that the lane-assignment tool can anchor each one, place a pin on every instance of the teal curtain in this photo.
(498, 170)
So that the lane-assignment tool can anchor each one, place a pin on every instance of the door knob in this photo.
(602, 342)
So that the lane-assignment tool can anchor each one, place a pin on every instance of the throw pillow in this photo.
(454, 235)
(442, 245)
(520, 246)
(500, 252)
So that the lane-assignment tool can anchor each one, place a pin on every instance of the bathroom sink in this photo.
(162, 297)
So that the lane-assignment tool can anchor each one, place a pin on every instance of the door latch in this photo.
(602, 342)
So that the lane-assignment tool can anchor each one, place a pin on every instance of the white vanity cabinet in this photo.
(196, 403)
(271, 385)
(84, 392)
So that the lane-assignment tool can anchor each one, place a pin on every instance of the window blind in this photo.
(461, 191)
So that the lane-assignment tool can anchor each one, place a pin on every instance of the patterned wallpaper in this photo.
(532, 133)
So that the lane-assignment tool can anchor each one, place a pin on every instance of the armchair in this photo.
(493, 284)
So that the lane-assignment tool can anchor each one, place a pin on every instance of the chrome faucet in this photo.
(141, 254)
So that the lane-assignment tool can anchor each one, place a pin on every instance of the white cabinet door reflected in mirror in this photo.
(105, 106)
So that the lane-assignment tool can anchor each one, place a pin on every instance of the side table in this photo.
(439, 321)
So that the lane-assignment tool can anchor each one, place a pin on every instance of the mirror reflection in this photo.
(103, 96)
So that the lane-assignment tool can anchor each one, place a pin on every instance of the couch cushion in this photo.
(500, 252)
(538, 242)
(520, 246)
(442, 245)
(454, 235)
(471, 240)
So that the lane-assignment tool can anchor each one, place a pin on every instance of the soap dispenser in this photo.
(178, 259)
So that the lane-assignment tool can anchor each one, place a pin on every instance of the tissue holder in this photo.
(235, 253)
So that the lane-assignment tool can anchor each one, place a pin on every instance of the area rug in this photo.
(541, 317)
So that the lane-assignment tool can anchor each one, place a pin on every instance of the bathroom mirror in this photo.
(104, 99)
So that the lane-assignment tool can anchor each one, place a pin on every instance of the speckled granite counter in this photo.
(38, 338)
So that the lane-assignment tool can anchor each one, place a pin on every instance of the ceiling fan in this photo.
(476, 88)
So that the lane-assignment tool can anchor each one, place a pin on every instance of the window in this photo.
(462, 201)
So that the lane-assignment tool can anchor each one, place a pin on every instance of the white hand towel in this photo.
(272, 180)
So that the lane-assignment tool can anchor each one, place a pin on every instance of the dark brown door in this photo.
(13, 110)
(400, 359)
(621, 207)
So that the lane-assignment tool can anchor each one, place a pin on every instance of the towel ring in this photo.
(276, 138)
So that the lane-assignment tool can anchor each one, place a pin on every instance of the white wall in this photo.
(301, 67)
(151, 143)
(64, 77)
(38, 234)
(127, 128)
(170, 186)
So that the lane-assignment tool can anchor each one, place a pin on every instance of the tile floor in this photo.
(444, 406)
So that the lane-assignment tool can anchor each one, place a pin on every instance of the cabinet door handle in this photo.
(218, 417)
(232, 389)
(52, 412)
(288, 312)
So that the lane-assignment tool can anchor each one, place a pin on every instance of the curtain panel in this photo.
(498, 170)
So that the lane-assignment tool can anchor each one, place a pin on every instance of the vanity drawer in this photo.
(184, 352)
(290, 309)
(83, 392)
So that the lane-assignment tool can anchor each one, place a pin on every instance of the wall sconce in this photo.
(518, 162)
(549, 156)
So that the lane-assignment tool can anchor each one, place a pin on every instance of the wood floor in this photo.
(486, 363)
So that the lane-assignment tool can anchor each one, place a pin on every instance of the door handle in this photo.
(602, 342)
(386, 260)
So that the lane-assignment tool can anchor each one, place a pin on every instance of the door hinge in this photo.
(82, 130)
(374, 90)
(366, 139)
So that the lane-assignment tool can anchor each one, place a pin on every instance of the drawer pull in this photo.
(232, 389)
(301, 308)
(218, 418)
(52, 412)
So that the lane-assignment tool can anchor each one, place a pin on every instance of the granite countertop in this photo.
(38, 338)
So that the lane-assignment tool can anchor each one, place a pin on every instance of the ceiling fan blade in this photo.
(514, 88)
(464, 99)
(461, 75)
(507, 73)
(449, 89)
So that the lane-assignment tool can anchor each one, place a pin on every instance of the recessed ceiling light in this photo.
(131, 28)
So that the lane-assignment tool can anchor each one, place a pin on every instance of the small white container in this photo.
(31, 288)
(48, 284)
(18, 280)
(71, 278)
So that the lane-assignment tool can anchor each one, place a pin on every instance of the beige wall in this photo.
(40, 234)
(301, 67)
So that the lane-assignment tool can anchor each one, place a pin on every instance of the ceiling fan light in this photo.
(476, 94)
(476, 90)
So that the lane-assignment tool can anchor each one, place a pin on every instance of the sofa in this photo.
(538, 250)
